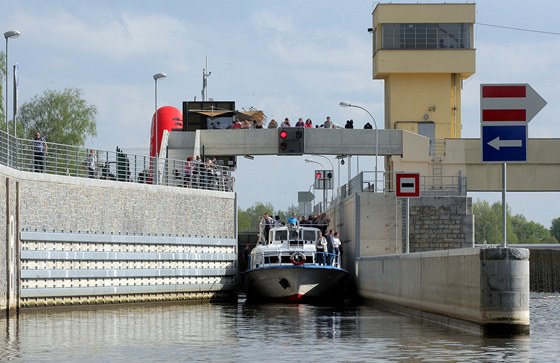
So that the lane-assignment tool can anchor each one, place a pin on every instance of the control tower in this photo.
(423, 52)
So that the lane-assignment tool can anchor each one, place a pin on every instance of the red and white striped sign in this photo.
(509, 103)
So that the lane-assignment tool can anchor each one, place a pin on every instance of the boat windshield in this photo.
(304, 235)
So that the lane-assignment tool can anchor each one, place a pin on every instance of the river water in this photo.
(264, 333)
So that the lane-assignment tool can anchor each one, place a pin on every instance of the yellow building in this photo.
(423, 52)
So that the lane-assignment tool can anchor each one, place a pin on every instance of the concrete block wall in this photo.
(488, 288)
(163, 229)
(439, 223)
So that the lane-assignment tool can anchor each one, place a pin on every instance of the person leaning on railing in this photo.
(91, 163)
(40, 148)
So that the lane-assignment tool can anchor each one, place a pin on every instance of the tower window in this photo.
(425, 36)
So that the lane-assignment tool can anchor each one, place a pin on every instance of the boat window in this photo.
(281, 236)
(294, 235)
(308, 236)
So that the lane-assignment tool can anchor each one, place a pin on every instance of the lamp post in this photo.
(348, 104)
(157, 77)
(9, 34)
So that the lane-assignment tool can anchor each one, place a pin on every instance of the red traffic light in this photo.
(318, 175)
(283, 134)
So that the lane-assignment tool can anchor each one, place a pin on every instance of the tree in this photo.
(248, 220)
(530, 232)
(555, 229)
(488, 223)
(62, 117)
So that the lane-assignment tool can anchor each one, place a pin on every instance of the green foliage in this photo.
(487, 223)
(530, 232)
(248, 220)
(488, 226)
(555, 229)
(61, 117)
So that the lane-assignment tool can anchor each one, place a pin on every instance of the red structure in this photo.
(168, 118)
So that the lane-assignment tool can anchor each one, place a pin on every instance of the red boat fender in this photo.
(298, 258)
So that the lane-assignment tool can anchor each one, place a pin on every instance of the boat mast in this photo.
(205, 76)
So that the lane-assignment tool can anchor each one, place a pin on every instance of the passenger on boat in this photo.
(286, 123)
(321, 246)
(300, 123)
(330, 245)
(277, 221)
(266, 222)
(293, 221)
(308, 124)
(336, 250)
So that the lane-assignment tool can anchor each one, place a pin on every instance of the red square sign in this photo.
(407, 185)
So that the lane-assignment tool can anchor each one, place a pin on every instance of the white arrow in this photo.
(497, 143)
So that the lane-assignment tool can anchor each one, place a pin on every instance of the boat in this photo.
(286, 268)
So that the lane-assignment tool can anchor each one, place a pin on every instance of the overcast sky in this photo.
(290, 58)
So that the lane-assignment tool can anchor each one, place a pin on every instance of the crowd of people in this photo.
(308, 124)
(204, 174)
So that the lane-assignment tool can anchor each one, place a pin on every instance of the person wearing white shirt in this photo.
(336, 250)
(321, 247)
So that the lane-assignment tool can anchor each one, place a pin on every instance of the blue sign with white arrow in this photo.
(504, 143)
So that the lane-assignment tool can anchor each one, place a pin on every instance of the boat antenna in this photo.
(205, 76)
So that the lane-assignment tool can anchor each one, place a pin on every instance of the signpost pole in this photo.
(504, 206)
(407, 225)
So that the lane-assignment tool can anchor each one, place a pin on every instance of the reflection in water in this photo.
(255, 333)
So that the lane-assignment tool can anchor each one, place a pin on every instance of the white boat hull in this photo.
(296, 284)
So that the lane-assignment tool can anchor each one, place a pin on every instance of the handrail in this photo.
(60, 159)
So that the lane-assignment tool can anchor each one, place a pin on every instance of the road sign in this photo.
(504, 143)
(407, 185)
(305, 197)
(509, 102)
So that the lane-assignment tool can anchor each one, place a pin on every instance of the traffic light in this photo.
(319, 179)
(290, 141)
(323, 179)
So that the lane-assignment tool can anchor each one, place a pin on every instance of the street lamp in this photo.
(157, 77)
(348, 104)
(9, 34)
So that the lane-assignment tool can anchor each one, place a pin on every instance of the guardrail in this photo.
(59, 159)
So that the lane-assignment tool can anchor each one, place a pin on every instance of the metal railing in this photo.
(59, 159)
(453, 185)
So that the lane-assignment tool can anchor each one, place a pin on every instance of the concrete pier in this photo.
(483, 289)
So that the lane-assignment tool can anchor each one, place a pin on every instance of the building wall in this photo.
(92, 241)
(439, 223)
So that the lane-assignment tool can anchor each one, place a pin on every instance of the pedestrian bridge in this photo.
(316, 141)
(411, 153)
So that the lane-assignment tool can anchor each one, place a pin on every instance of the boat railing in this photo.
(279, 258)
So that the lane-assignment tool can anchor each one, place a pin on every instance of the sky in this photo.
(289, 58)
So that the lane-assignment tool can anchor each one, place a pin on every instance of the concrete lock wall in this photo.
(79, 241)
(486, 287)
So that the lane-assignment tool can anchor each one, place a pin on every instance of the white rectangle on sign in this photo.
(408, 185)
